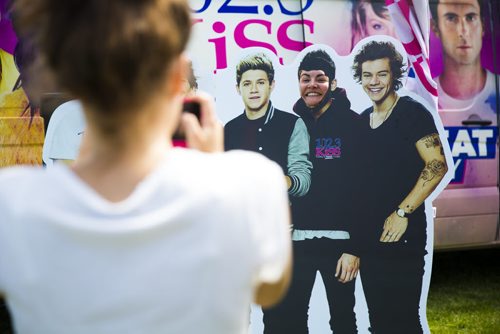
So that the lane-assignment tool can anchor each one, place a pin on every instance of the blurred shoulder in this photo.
(21, 183)
(234, 167)
(14, 174)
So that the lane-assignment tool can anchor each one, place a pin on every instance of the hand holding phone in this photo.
(204, 133)
(189, 106)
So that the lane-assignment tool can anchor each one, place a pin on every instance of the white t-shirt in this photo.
(476, 172)
(64, 133)
(182, 254)
(482, 104)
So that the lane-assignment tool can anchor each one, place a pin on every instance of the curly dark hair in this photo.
(378, 50)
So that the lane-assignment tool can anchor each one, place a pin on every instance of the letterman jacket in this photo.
(281, 137)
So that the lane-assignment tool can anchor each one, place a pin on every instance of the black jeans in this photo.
(392, 282)
(291, 315)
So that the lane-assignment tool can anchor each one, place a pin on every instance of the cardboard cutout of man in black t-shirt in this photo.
(405, 163)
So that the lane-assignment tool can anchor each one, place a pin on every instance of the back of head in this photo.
(318, 60)
(111, 54)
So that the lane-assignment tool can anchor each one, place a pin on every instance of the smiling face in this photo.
(255, 90)
(376, 79)
(313, 85)
(460, 29)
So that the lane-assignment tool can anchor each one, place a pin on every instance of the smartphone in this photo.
(190, 107)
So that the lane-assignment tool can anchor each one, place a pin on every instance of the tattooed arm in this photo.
(430, 150)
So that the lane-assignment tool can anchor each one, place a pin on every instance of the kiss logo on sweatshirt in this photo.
(328, 148)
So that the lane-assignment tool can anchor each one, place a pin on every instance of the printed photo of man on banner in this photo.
(463, 35)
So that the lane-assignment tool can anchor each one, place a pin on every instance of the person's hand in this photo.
(394, 228)
(288, 182)
(347, 268)
(206, 135)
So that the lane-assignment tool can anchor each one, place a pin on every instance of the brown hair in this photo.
(379, 50)
(111, 54)
(433, 4)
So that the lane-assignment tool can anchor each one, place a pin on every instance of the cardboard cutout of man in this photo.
(464, 83)
(405, 163)
(279, 135)
(324, 223)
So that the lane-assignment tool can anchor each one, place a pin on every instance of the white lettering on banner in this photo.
(463, 145)
(469, 144)
(482, 136)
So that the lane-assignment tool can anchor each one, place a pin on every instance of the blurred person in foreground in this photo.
(464, 84)
(135, 236)
(405, 163)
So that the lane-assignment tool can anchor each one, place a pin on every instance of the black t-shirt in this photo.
(394, 165)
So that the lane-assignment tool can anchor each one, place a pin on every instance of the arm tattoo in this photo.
(410, 208)
(433, 169)
(432, 140)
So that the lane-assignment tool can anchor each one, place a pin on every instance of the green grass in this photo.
(464, 295)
